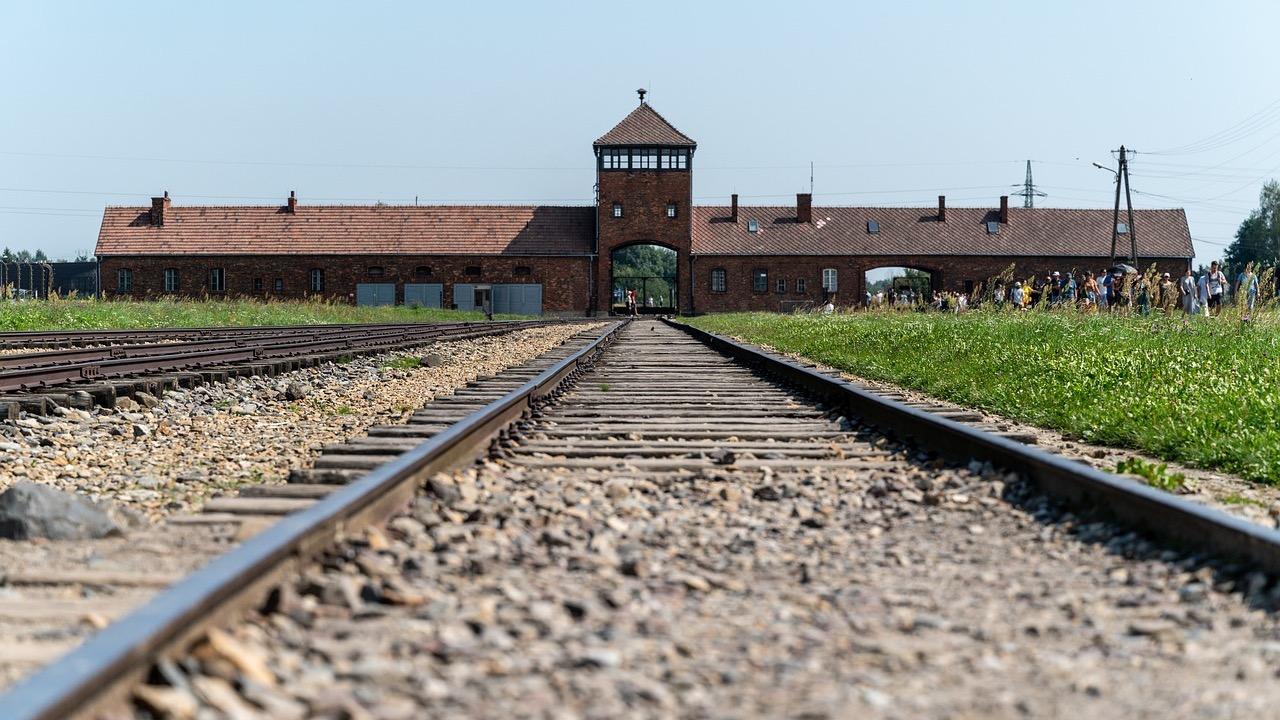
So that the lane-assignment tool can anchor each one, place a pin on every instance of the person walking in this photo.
(1187, 293)
(1166, 295)
(1017, 296)
(1247, 289)
(1217, 285)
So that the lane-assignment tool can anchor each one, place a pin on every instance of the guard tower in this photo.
(644, 196)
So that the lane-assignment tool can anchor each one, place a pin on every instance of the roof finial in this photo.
(641, 92)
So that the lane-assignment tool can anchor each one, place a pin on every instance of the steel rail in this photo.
(167, 357)
(93, 673)
(38, 338)
(1152, 511)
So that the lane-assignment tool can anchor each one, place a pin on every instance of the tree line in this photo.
(1257, 240)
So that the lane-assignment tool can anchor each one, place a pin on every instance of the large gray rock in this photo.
(30, 510)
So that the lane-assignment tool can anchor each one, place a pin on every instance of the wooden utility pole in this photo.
(1122, 175)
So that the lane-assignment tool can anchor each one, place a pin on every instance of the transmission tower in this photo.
(1029, 192)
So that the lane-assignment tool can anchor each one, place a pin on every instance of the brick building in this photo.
(534, 259)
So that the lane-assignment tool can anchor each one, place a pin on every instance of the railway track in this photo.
(671, 523)
(81, 338)
(83, 377)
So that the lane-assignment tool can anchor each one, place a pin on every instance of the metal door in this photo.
(517, 299)
(375, 293)
(429, 295)
(464, 296)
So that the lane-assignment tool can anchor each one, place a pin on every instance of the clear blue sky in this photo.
(239, 102)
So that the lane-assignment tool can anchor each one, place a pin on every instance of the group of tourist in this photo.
(1109, 290)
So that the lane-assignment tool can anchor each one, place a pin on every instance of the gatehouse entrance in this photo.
(650, 272)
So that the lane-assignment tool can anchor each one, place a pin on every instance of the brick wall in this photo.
(947, 273)
(644, 195)
(564, 288)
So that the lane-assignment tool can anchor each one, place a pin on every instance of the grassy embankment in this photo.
(98, 315)
(1204, 393)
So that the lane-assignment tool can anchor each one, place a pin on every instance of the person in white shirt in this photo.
(1217, 284)
(1187, 289)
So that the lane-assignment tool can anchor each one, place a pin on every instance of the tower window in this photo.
(674, 159)
(644, 159)
(760, 280)
(617, 209)
(671, 209)
(718, 280)
(614, 158)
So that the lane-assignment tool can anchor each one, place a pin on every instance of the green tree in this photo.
(1257, 240)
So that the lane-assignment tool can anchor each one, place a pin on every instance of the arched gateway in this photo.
(644, 198)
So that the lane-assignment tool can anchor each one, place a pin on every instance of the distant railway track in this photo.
(80, 338)
(257, 350)
(666, 404)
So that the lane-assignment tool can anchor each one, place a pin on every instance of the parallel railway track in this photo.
(259, 349)
(672, 408)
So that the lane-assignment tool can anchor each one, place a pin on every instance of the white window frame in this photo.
(719, 280)
(830, 280)
(124, 280)
(617, 210)
(217, 280)
(172, 280)
(800, 286)
(317, 280)
(780, 286)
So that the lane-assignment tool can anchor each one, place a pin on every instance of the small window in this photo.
(800, 286)
(124, 280)
(257, 285)
(375, 271)
(993, 227)
(873, 227)
(671, 209)
(217, 280)
(1122, 228)
(644, 159)
(614, 158)
(718, 282)
(172, 282)
(317, 280)
(617, 210)
(760, 280)
(422, 271)
(523, 270)
(753, 226)
(781, 288)
(473, 270)
(829, 280)
(278, 285)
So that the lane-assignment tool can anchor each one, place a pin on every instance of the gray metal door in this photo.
(464, 296)
(375, 293)
(517, 299)
(429, 295)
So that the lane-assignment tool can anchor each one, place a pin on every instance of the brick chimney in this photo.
(159, 206)
(733, 208)
(804, 207)
(1004, 209)
(293, 203)
(942, 208)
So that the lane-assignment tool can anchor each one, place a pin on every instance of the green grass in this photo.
(1205, 393)
(77, 314)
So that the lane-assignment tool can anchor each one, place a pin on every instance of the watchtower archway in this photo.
(650, 271)
(900, 285)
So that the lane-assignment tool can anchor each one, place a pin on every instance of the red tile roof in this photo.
(344, 229)
(915, 231)
(644, 126)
